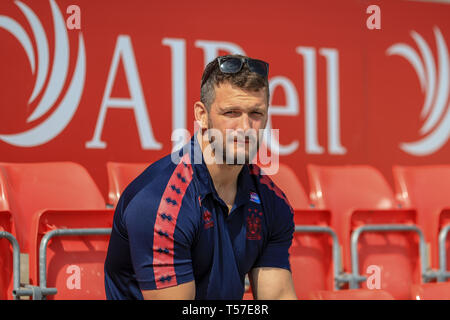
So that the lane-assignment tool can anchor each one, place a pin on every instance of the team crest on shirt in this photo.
(208, 222)
(254, 226)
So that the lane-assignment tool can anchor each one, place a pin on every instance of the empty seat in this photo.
(352, 294)
(119, 177)
(427, 189)
(6, 261)
(48, 196)
(74, 263)
(6, 254)
(316, 261)
(431, 291)
(358, 196)
(315, 254)
(346, 188)
(311, 254)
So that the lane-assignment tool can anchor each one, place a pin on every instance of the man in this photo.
(194, 223)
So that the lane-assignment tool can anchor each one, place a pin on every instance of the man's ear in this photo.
(201, 115)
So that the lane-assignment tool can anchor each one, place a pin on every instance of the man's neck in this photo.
(224, 176)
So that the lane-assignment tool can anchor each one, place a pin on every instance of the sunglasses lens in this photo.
(258, 66)
(231, 65)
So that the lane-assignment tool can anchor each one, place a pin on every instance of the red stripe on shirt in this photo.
(264, 179)
(166, 220)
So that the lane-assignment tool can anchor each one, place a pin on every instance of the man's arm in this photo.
(272, 284)
(184, 291)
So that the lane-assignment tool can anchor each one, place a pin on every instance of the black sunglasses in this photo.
(229, 64)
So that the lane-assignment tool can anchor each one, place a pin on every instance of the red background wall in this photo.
(379, 96)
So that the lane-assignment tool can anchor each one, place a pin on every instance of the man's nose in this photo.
(245, 122)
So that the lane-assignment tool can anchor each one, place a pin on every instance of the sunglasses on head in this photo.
(229, 64)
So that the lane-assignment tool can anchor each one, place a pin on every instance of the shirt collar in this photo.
(204, 180)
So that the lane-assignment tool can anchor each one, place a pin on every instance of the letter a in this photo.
(74, 280)
(124, 52)
(374, 281)
(74, 20)
(374, 21)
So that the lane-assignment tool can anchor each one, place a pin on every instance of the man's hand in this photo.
(272, 284)
(184, 291)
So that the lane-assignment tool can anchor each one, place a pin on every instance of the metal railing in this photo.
(339, 276)
(443, 274)
(426, 272)
(42, 291)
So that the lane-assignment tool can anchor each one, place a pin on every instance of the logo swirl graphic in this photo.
(63, 113)
(436, 108)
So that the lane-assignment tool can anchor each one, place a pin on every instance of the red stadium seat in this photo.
(431, 291)
(6, 253)
(352, 294)
(359, 196)
(59, 195)
(74, 263)
(315, 247)
(119, 176)
(311, 254)
(427, 189)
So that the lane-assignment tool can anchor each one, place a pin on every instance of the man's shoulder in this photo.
(165, 180)
(163, 190)
(268, 189)
(154, 175)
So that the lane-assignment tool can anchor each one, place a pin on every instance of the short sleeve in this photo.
(276, 252)
(160, 243)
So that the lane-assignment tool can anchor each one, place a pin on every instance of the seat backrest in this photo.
(352, 186)
(286, 179)
(119, 177)
(360, 195)
(426, 189)
(50, 185)
(390, 259)
(343, 189)
(75, 264)
(311, 254)
(6, 261)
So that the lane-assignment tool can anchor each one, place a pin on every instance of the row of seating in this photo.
(50, 201)
(398, 232)
(39, 200)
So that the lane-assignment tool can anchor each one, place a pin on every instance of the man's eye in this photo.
(231, 113)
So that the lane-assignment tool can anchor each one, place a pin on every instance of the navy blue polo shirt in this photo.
(171, 227)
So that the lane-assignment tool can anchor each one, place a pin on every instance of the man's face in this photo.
(238, 116)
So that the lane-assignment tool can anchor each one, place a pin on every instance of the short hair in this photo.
(244, 79)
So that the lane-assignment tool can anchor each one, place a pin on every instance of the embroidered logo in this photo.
(207, 219)
(254, 197)
(253, 227)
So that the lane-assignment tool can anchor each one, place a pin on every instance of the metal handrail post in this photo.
(443, 274)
